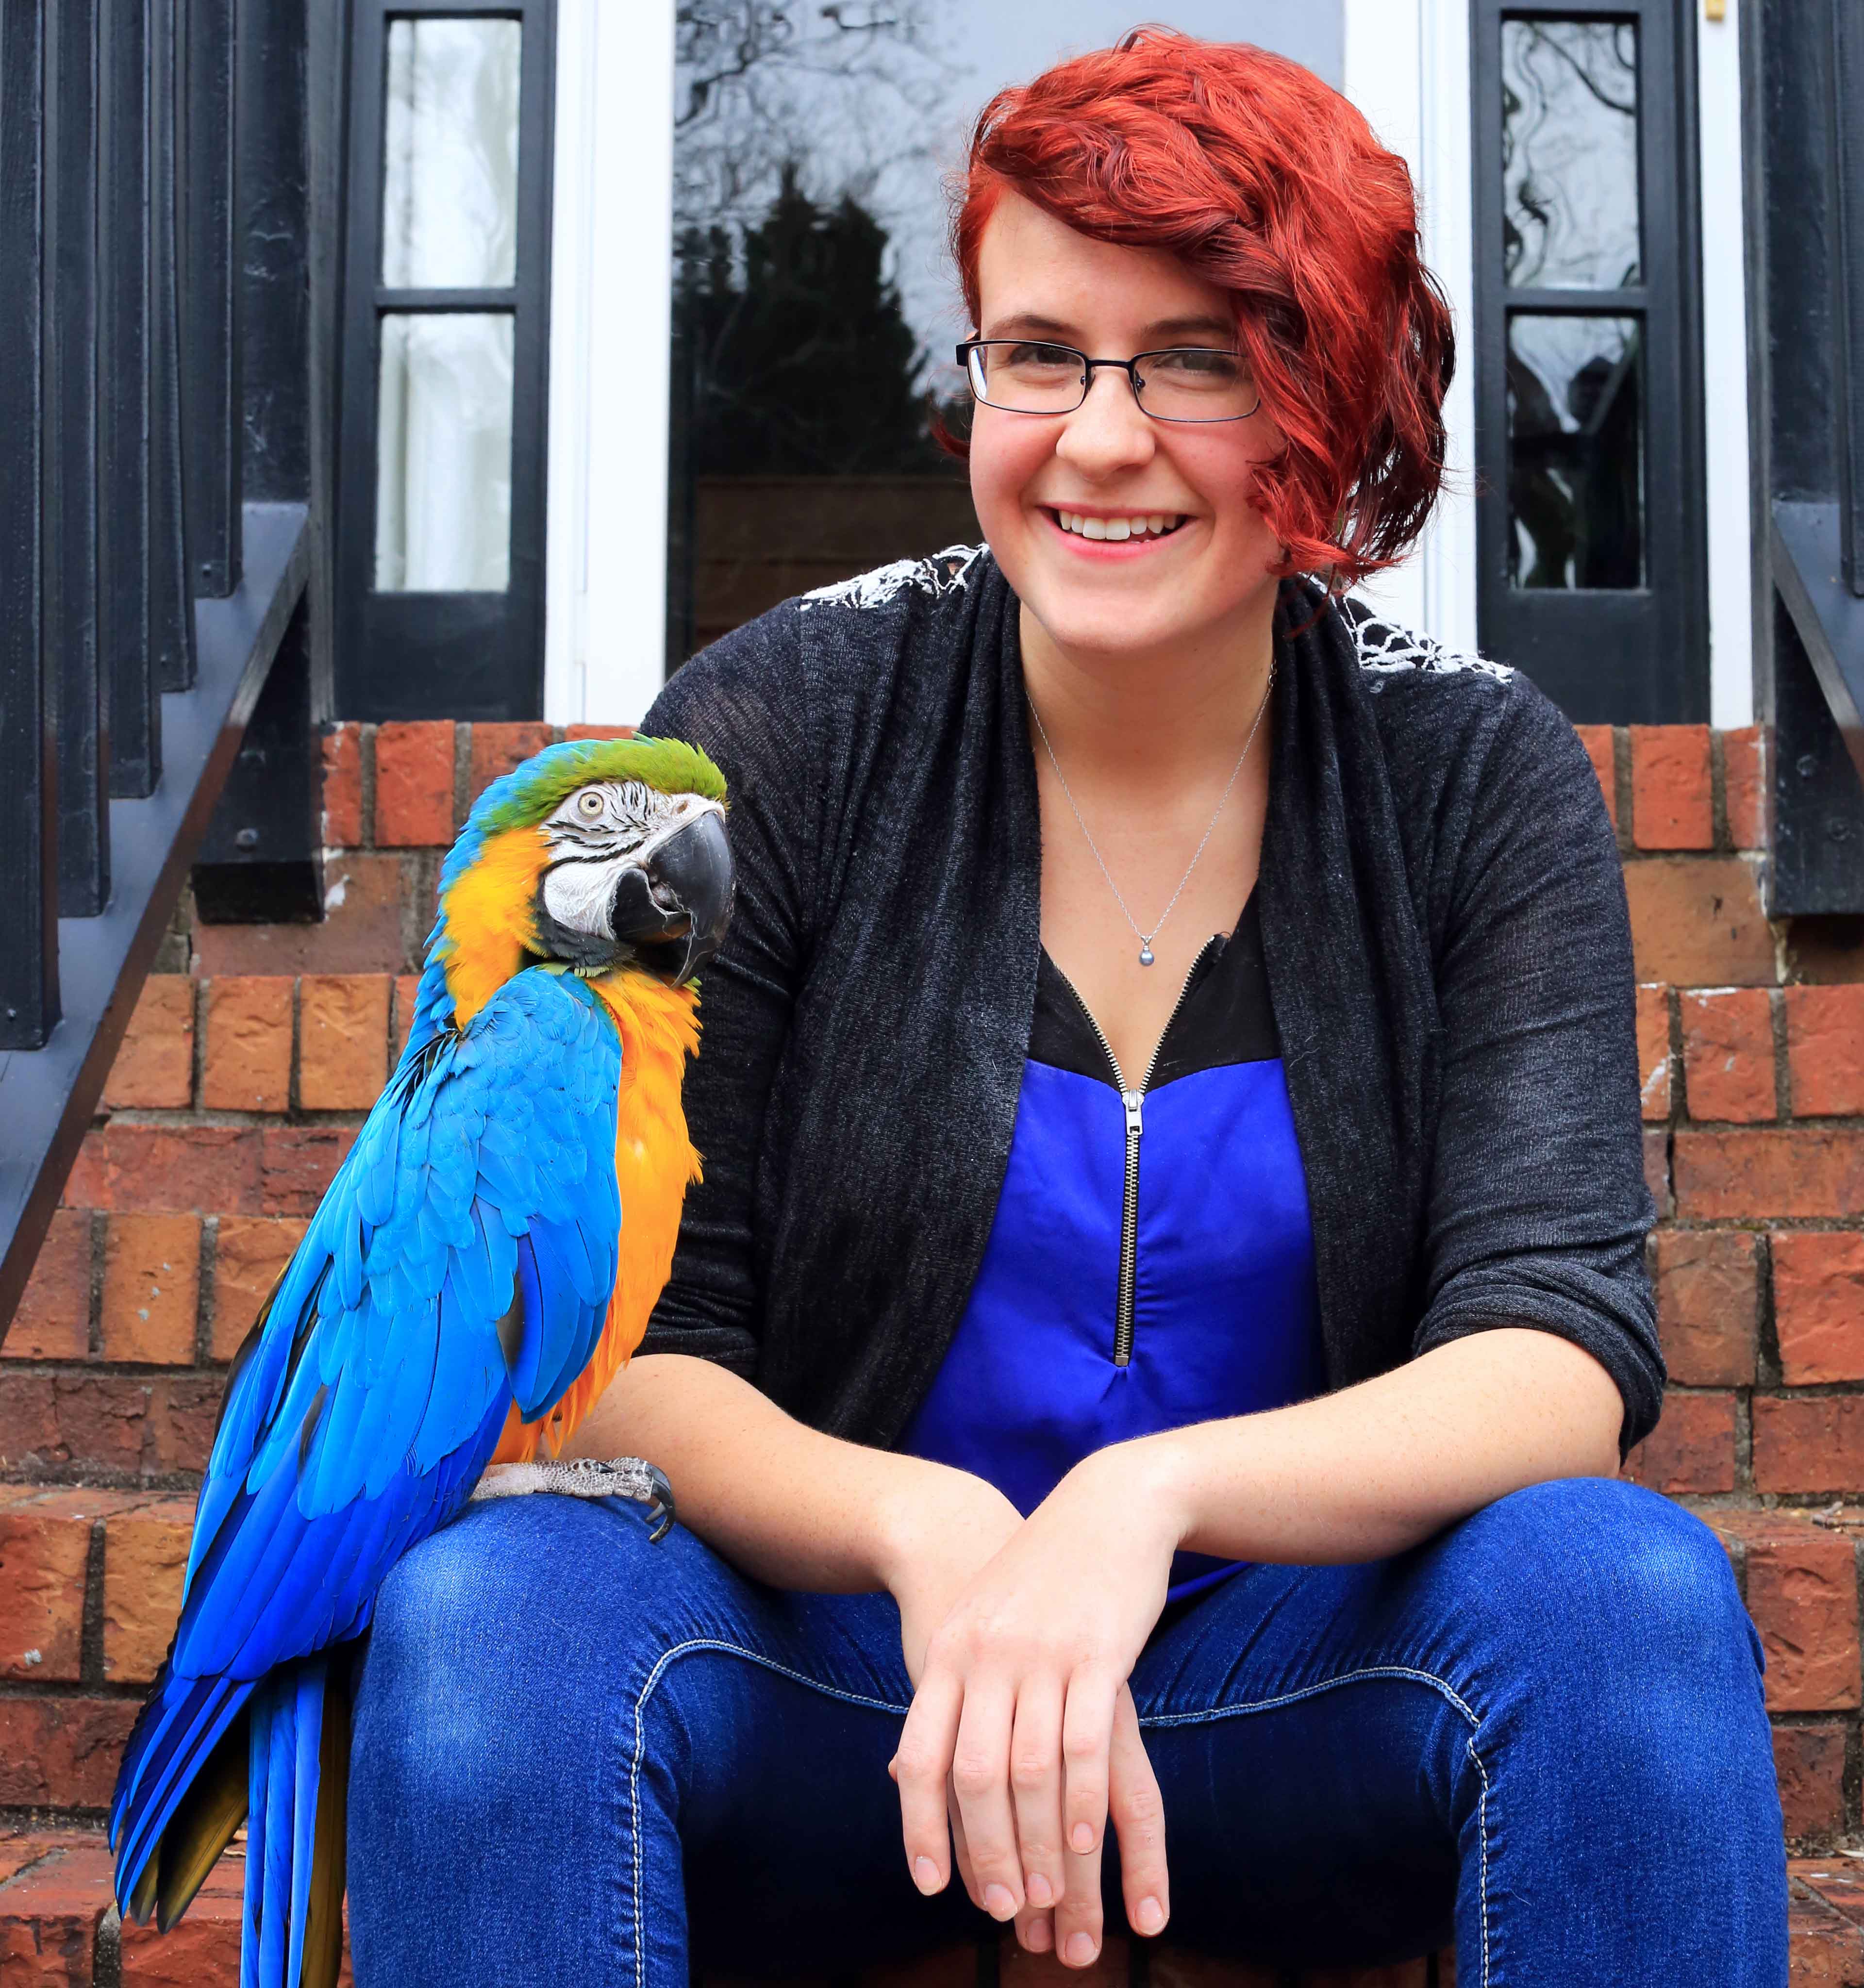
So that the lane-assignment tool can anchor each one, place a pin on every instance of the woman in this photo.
(1147, 1367)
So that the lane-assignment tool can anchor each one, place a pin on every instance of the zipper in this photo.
(1134, 1103)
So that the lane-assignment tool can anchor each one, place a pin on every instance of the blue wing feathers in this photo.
(259, 1782)
(196, 1713)
(358, 1418)
(309, 1734)
(275, 1867)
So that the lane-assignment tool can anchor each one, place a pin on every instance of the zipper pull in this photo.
(1136, 1123)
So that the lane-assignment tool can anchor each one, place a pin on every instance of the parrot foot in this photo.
(629, 1477)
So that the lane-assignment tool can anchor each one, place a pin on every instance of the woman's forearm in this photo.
(1379, 1467)
(783, 1502)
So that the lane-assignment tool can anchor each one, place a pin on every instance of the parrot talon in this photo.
(629, 1477)
(660, 1508)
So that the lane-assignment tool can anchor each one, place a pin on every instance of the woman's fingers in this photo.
(965, 1875)
(1137, 1816)
(1087, 1729)
(980, 1778)
(920, 1765)
(1035, 1783)
(1035, 1930)
(1078, 1917)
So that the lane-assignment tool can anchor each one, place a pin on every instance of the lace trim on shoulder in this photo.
(945, 572)
(1384, 648)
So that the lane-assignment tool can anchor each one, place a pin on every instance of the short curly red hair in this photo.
(1267, 183)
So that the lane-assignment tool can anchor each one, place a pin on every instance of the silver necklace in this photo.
(1145, 938)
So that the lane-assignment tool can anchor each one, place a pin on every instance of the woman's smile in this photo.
(1114, 536)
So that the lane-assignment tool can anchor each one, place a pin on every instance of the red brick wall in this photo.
(256, 1051)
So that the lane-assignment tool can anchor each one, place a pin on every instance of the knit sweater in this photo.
(1448, 958)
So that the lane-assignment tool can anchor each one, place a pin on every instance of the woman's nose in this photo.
(1108, 431)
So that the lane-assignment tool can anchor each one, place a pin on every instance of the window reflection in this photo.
(1569, 146)
(1575, 451)
(814, 295)
(450, 154)
(443, 453)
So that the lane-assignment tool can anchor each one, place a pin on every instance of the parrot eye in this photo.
(590, 805)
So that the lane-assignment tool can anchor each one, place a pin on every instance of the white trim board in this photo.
(1724, 370)
(1408, 70)
(611, 280)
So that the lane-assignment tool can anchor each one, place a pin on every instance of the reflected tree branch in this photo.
(853, 88)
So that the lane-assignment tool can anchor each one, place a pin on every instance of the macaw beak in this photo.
(673, 907)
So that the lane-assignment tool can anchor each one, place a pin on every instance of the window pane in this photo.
(1575, 451)
(443, 453)
(1569, 153)
(450, 166)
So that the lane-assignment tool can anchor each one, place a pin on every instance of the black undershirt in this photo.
(1224, 1016)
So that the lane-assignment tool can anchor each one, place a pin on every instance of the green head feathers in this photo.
(531, 792)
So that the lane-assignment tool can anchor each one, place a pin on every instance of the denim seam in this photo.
(1437, 1684)
(634, 1779)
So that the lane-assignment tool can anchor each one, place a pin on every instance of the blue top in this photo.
(1058, 1354)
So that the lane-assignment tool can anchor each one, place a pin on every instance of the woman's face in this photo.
(1150, 594)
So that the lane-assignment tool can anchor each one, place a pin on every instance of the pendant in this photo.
(1145, 953)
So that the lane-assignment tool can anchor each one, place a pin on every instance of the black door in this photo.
(440, 530)
(1590, 528)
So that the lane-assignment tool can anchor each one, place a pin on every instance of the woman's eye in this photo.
(1194, 365)
(588, 807)
(1043, 358)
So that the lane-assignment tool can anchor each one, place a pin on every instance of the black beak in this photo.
(674, 910)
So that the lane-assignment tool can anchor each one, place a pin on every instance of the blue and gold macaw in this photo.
(481, 1266)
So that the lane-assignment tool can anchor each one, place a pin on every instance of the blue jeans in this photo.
(575, 1751)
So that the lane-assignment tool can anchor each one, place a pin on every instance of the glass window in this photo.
(443, 453)
(815, 302)
(1569, 148)
(450, 154)
(1575, 451)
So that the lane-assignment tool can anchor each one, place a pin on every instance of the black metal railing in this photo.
(164, 284)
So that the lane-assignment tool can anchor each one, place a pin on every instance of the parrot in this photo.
(482, 1266)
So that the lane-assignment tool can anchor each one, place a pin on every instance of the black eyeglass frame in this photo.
(1129, 367)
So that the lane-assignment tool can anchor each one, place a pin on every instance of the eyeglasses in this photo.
(1192, 382)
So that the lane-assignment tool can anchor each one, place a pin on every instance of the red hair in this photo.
(1264, 181)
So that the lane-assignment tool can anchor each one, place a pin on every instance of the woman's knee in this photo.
(496, 1644)
(1608, 1585)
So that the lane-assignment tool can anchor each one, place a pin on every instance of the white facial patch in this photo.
(597, 831)
(578, 895)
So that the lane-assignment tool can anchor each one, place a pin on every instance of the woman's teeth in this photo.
(1151, 524)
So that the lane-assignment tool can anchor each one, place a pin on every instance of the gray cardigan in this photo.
(1449, 966)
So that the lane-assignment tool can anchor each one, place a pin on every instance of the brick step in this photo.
(57, 1931)
(58, 1928)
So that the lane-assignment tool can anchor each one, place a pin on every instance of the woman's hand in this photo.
(1023, 1739)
